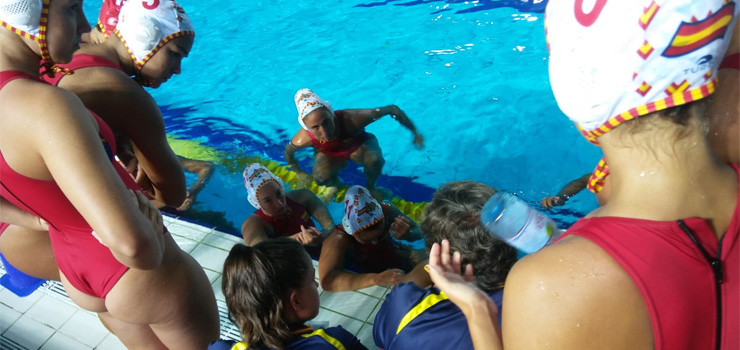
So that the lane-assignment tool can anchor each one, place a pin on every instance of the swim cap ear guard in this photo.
(145, 28)
(29, 19)
(108, 16)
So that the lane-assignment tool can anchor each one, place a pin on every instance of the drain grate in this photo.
(228, 329)
(7, 344)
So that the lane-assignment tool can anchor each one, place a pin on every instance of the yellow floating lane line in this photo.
(235, 163)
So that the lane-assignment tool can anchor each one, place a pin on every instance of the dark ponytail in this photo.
(255, 282)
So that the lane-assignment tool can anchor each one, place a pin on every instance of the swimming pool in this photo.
(472, 75)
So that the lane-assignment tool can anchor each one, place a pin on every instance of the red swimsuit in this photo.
(371, 257)
(344, 145)
(731, 61)
(87, 264)
(674, 277)
(78, 62)
(286, 228)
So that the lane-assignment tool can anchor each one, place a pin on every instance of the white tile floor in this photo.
(48, 319)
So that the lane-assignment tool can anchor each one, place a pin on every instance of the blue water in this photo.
(472, 76)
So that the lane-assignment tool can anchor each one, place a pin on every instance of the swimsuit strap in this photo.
(10, 75)
(78, 62)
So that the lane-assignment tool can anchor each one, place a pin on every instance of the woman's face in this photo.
(320, 124)
(67, 22)
(272, 198)
(308, 294)
(370, 235)
(166, 62)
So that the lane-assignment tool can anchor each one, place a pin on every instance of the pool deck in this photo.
(48, 319)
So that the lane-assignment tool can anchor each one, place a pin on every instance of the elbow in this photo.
(326, 280)
(140, 254)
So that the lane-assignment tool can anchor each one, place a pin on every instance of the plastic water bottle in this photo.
(518, 224)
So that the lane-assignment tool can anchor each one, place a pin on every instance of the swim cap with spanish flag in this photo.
(29, 19)
(306, 101)
(145, 26)
(255, 176)
(108, 16)
(361, 210)
(615, 60)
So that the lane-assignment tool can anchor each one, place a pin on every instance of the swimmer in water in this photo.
(338, 136)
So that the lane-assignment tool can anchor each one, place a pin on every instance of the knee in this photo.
(321, 177)
(374, 161)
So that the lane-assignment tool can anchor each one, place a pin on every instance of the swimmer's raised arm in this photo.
(360, 118)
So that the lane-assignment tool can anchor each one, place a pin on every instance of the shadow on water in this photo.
(536, 6)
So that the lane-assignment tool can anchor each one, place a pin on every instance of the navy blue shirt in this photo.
(439, 323)
(319, 339)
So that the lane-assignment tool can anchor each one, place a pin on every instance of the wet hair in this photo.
(256, 281)
(454, 214)
(683, 118)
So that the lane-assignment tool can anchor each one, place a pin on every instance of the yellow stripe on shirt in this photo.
(429, 301)
(329, 339)
(239, 346)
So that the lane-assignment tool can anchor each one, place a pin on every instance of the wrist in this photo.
(477, 303)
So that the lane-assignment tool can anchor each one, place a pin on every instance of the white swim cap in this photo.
(255, 176)
(361, 210)
(144, 28)
(612, 61)
(307, 101)
(27, 18)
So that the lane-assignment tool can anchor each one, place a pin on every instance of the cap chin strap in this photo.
(43, 45)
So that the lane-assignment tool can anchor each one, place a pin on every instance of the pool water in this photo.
(472, 76)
